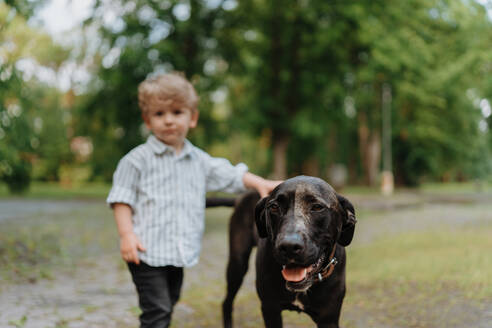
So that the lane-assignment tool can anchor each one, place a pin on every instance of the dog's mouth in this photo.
(300, 278)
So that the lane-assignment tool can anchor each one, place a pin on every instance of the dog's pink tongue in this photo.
(294, 274)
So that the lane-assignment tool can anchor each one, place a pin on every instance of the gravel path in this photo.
(95, 296)
(20, 208)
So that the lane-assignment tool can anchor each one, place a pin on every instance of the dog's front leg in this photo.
(329, 322)
(330, 315)
(271, 315)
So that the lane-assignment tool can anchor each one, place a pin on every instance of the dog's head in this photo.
(304, 218)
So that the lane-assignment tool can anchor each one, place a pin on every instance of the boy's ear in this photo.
(194, 118)
(146, 120)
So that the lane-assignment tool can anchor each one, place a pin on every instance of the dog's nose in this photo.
(291, 244)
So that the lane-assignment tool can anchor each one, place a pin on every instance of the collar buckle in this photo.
(328, 269)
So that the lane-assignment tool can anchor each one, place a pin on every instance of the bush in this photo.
(17, 176)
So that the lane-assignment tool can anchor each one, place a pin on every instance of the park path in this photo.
(96, 295)
(100, 294)
(20, 208)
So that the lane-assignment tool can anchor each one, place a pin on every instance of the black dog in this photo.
(303, 226)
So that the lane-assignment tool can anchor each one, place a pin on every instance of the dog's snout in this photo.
(292, 244)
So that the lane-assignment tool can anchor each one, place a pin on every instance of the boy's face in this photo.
(171, 124)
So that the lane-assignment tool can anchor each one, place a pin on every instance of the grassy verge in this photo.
(53, 190)
(426, 279)
(433, 260)
(457, 187)
(448, 188)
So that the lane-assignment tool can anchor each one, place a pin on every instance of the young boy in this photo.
(158, 195)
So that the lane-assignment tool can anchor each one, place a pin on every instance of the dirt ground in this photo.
(98, 292)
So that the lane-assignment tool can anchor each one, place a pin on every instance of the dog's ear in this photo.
(349, 221)
(260, 218)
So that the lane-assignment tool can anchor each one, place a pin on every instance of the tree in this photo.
(423, 50)
(20, 104)
(288, 62)
(306, 77)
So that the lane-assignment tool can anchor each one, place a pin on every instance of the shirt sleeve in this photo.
(223, 176)
(124, 189)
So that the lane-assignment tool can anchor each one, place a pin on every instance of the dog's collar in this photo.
(328, 269)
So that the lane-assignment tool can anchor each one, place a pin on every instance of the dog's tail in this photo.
(220, 201)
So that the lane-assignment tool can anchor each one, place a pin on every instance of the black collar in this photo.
(328, 269)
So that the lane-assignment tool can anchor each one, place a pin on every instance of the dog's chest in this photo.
(297, 303)
(301, 302)
(294, 303)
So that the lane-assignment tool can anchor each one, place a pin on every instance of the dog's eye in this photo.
(274, 209)
(317, 208)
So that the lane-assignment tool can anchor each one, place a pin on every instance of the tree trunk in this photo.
(280, 144)
(311, 167)
(374, 158)
(370, 150)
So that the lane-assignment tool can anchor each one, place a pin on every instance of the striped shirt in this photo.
(167, 195)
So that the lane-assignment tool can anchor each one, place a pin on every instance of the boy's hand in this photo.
(129, 243)
(263, 186)
(129, 247)
(266, 187)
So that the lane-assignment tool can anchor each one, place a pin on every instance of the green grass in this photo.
(53, 190)
(457, 187)
(445, 189)
(425, 279)
(431, 260)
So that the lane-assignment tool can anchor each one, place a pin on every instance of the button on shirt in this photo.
(167, 195)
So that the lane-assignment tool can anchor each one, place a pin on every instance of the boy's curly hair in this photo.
(163, 90)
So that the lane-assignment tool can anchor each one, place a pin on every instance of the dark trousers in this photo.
(158, 291)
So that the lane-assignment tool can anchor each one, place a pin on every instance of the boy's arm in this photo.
(129, 243)
(263, 186)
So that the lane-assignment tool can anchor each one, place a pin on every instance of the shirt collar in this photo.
(159, 148)
(187, 149)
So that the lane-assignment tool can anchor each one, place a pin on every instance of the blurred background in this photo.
(389, 101)
(337, 89)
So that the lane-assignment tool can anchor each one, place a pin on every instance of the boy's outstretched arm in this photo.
(129, 243)
(263, 186)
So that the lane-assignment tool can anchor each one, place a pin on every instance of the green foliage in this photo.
(51, 122)
(53, 190)
(294, 55)
(24, 7)
(307, 74)
(19, 323)
(16, 174)
(424, 51)
(15, 133)
(31, 127)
